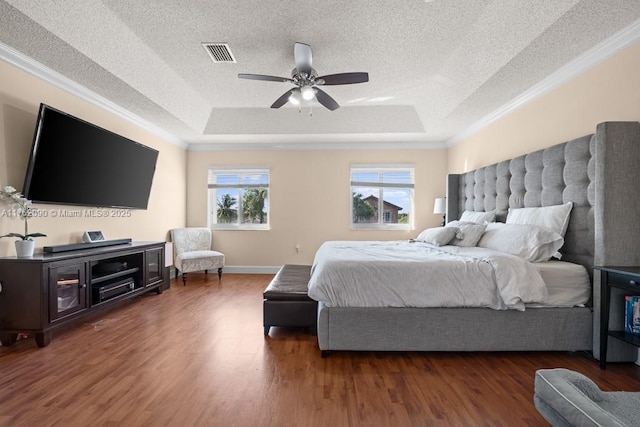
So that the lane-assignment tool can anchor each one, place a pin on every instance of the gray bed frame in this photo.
(600, 174)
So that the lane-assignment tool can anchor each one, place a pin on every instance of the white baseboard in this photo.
(242, 269)
(251, 269)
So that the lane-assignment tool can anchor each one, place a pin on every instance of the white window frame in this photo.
(212, 205)
(380, 168)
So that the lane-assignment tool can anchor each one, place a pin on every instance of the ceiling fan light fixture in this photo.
(294, 98)
(305, 79)
(308, 93)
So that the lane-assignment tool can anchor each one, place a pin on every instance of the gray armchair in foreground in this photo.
(568, 398)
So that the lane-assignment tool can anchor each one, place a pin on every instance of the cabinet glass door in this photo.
(68, 290)
(155, 266)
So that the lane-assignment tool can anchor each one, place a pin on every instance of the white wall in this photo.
(309, 197)
(610, 91)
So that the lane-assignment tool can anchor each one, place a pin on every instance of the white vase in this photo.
(24, 248)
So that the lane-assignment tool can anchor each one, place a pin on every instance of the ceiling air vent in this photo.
(219, 52)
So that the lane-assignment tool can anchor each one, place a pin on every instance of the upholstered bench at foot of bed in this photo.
(286, 302)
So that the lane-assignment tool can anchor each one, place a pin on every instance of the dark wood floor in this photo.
(196, 355)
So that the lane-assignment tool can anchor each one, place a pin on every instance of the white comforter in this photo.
(416, 274)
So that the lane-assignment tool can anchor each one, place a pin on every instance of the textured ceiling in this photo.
(436, 68)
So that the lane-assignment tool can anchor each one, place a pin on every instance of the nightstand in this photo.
(627, 278)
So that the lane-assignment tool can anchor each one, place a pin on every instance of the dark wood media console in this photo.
(47, 291)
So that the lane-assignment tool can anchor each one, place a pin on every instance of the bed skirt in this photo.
(454, 329)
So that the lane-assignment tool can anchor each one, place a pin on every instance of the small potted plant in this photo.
(25, 245)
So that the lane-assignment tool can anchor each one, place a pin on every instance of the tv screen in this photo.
(73, 162)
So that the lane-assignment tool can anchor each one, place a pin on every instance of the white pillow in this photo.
(437, 236)
(555, 218)
(467, 234)
(527, 241)
(478, 217)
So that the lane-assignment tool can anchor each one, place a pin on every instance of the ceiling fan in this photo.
(306, 80)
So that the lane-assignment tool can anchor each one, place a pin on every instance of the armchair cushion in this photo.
(199, 261)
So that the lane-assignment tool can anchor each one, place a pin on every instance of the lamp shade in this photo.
(440, 206)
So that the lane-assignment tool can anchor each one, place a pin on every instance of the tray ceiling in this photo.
(436, 68)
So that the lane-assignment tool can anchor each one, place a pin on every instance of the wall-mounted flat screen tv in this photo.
(74, 162)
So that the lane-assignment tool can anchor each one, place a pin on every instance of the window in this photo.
(382, 197)
(239, 198)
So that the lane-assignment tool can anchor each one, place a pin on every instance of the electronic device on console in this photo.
(92, 236)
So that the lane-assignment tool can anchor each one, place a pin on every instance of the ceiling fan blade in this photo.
(303, 57)
(324, 99)
(343, 79)
(283, 99)
(265, 78)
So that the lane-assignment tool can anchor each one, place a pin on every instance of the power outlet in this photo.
(297, 248)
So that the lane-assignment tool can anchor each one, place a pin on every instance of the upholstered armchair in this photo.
(566, 398)
(192, 252)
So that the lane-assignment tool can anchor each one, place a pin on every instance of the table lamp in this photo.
(440, 208)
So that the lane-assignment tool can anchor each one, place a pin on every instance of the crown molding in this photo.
(24, 63)
(602, 51)
(362, 141)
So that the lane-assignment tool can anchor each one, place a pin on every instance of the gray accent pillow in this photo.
(437, 236)
(468, 234)
(457, 223)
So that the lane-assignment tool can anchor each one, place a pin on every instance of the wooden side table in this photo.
(627, 278)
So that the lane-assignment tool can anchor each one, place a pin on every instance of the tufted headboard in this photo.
(600, 174)
(552, 176)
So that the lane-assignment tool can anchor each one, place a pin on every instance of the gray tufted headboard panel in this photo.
(600, 174)
(552, 176)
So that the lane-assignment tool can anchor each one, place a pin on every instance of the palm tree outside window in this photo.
(238, 198)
